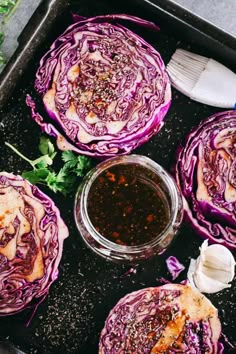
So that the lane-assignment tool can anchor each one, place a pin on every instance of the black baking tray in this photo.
(72, 316)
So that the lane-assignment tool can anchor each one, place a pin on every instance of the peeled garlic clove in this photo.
(205, 284)
(224, 262)
(213, 269)
(223, 276)
(191, 271)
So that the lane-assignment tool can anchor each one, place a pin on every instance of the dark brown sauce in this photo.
(126, 206)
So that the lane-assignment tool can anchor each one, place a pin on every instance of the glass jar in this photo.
(146, 171)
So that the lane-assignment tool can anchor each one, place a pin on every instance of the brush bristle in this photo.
(185, 69)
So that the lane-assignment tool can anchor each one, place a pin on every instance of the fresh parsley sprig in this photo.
(6, 6)
(43, 171)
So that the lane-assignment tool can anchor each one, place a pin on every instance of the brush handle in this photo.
(216, 86)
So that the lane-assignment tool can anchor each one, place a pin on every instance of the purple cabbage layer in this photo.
(206, 174)
(105, 89)
(31, 241)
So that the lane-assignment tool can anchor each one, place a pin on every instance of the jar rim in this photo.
(145, 162)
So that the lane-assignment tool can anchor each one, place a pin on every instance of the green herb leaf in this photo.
(6, 6)
(83, 165)
(36, 176)
(62, 182)
(76, 163)
(69, 156)
(53, 182)
(46, 147)
(1, 38)
(66, 179)
(2, 59)
(40, 162)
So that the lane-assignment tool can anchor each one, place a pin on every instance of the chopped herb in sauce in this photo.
(126, 205)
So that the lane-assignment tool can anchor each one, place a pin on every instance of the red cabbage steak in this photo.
(172, 318)
(206, 174)
(105, 89)
(31, 240)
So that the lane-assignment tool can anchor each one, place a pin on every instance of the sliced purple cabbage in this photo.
(105, 89)
(206, 174)
(174, 267)
(31, 240)
(172, 318)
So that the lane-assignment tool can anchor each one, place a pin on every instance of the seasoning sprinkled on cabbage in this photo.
(105, 89)
(31, 240)
(172, 318)
(206, 174)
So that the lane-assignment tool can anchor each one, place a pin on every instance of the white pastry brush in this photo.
(202, 79)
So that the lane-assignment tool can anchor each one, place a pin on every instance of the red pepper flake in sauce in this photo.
(122, 180)
(126, 205)
(115, 234)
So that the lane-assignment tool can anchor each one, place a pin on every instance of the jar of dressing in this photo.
(128, 209)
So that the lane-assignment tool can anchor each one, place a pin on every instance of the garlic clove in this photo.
(219, 257)
(191, 271)
(213, 269)
(205, 284)
(223, 276)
